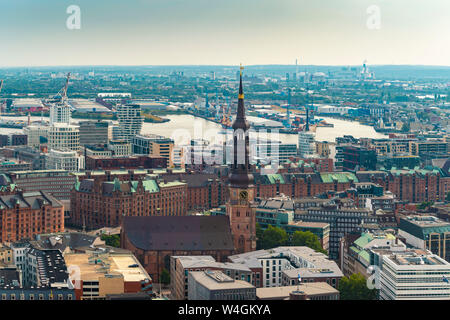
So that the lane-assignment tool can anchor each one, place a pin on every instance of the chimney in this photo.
(298, 295)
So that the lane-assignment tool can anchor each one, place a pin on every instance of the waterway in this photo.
(185, 127)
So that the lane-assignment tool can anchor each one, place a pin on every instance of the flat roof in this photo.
(311, 289)
(217, 280)
(119, 264)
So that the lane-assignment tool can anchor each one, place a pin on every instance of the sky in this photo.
(225, 32)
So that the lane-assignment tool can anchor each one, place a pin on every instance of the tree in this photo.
(164, 278)
(355, 288)
(424, 205)
(308, 239)
(274, 237)
(259, 236)
(112, 240)
(448, 196)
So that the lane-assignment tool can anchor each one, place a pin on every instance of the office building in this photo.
(341, 220)
(103, 272)
(181, 266)
(94, 132)
(427, 233)
(120, 148)
(317, 291)
(36, 135)
(357, 158)
(215, 285)
(64, 137)
(281, 266)
(414, 275)
(55, 182)
(64, 160)
(154, 145)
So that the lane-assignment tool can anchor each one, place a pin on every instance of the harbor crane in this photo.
(62, 94)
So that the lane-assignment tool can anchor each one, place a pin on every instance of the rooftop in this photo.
(281, 293)
(217, 280)
(96, 265)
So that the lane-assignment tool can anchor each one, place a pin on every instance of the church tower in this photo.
(240, 206)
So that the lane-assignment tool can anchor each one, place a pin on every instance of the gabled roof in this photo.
(179, 232)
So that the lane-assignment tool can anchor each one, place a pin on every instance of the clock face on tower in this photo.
(243, 195)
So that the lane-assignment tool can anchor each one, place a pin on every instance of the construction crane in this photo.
(288, 113)
(63, 92)
(1, 104)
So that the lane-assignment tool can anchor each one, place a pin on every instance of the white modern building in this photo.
(60, 113)
(35, 134)
(120, 148)
(64, 137)
(414, 275)
(130, 120)
(306, 144)
(64, 160)
(278, 263)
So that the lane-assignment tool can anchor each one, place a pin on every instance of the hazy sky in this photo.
(171, 32)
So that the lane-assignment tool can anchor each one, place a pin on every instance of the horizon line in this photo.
(222, 65)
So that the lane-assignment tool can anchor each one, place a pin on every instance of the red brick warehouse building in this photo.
(96, 203)
(26, 214)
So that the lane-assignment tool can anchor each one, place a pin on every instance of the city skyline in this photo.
(217, 33)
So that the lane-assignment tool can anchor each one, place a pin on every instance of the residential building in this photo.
(60, 113)
(130, 120)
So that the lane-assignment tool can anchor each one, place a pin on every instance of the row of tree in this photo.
(274, 237)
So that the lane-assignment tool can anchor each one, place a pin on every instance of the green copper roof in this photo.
(341, 177)
(150, 186)
(273, 178)
(363, 240)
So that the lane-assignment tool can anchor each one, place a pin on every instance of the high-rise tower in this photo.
(240, 206)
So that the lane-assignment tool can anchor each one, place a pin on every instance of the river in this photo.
(187, 126)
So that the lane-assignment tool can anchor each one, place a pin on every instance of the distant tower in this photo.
(240, 207)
